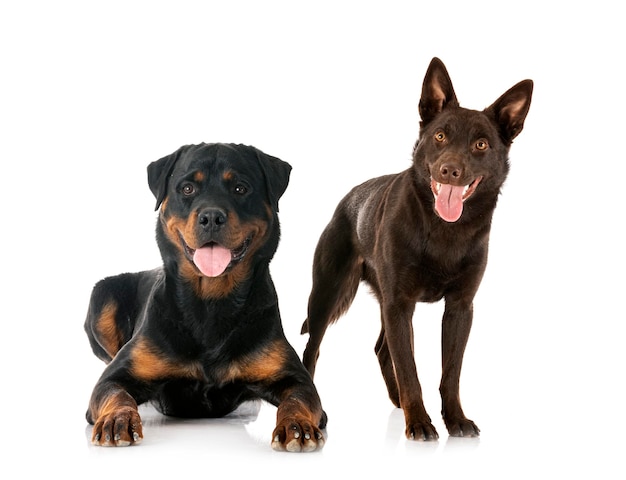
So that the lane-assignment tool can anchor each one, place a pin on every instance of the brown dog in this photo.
(420, 236)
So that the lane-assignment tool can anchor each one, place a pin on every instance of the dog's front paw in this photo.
(462, 428)
(118, 428)
(421, 431)
(297, 436)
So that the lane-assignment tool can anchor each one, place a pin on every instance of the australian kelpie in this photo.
(420, 236)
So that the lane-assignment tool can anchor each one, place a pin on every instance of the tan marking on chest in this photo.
(148, 363)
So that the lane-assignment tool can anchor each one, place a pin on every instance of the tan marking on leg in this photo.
(115, 418)
(109, 336)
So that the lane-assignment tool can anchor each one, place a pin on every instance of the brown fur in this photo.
(390, 233)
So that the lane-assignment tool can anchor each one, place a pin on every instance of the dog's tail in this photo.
(305, 327)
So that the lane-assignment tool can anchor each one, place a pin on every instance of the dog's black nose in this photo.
(212, 218)
(451, 171)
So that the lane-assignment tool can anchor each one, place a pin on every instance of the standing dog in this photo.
(420, 236)
(202, 334)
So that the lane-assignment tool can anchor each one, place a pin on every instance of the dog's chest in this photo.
(424, 276)
(431, 278)
(437, 267)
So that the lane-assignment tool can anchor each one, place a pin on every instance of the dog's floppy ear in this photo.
(159, 172)
(276, 173)
(437, 92)
(510, 110)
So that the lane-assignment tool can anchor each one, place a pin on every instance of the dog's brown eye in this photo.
(188, 189)
(440, 136)
(241, 190)
(482, 144)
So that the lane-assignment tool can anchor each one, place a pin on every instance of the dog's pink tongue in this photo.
(449, 202)
(212, 260)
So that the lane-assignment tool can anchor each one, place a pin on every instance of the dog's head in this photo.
(218, 212)
(463, 153)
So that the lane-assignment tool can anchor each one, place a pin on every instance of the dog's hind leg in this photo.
(337, 270)
(112, 314)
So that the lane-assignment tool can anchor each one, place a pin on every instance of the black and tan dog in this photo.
(202, 334)
(420, 236)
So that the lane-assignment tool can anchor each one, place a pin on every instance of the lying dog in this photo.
(420, 236)
(202, 334)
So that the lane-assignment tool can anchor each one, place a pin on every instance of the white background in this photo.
(91, 92)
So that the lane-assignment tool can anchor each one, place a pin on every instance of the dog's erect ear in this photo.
(510, 110)
(159, 172)
(276, 173)
(437, 92)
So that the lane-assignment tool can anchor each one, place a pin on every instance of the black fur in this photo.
(199, 345)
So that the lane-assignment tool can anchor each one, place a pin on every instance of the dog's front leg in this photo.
(456, 325)
(113, 406)
(299, 417)
(114, 415)
(397, 321)
(298, 426)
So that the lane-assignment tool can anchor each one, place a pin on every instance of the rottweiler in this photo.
(201, 334)
(421, 236)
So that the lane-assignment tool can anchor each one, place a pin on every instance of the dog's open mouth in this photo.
(449, 199)
(213, 259)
